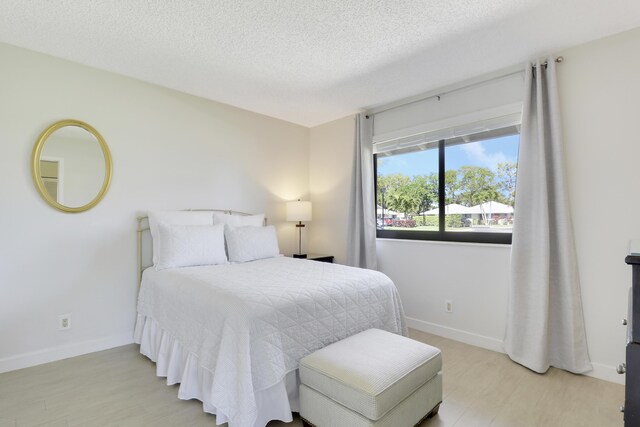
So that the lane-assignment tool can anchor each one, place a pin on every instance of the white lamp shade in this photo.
(299, 211)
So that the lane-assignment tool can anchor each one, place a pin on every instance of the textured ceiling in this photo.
(307, 61)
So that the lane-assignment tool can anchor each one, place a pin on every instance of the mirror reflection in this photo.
(71, 166)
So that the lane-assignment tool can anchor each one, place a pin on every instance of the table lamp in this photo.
(299, 211)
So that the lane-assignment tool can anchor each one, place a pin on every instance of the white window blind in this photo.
(485, 107)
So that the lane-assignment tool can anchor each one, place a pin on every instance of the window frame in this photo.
(442, 234)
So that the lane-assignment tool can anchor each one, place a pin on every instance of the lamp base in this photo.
(299, 255)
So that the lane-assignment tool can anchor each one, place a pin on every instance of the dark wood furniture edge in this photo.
(632, 354)
(632, 259)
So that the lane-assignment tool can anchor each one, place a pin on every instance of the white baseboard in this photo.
(52, 354)
(457, 334)
(600, 371)
(606, 372)
(12, 363)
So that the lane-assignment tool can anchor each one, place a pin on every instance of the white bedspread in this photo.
(249, 324)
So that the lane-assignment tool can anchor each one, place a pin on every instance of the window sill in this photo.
(445, 242)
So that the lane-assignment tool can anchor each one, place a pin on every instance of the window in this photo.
(455, 188)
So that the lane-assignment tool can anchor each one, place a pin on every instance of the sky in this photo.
(487, 153)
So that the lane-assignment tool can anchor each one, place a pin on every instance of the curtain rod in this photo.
(559, 59)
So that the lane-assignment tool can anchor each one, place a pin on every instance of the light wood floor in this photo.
(118, 387)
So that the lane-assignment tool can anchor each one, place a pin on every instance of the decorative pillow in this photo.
(251, 243)
(175, 218)
(238, 220)
(190, 245)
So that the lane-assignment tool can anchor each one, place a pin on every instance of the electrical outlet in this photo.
(448, 306)
(64, 322)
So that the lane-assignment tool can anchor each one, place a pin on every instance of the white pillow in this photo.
(175, 218)
(189, 245)
(238, 220)
(251, 243)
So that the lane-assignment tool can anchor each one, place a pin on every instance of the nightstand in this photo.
(319, 257)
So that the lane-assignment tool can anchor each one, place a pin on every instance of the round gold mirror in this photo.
(71, 166)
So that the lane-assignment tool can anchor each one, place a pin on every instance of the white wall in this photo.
(170, 151)
(330, 164)
(473, 276)
(599, 91)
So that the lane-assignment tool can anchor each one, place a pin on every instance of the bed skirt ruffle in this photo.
(182, 367)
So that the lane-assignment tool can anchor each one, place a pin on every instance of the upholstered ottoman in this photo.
(374, 378)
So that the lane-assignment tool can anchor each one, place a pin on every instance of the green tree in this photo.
(426, 188)
(383, 185)
(398, 193)
(477, 185)
(506, 176)
(407, 195)
(451, 187)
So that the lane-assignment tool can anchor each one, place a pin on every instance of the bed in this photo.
(232, 333)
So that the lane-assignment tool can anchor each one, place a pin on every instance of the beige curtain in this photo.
(361, 243)
(545, 324)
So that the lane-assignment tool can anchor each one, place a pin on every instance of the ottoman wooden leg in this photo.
(434, 411)
(306, 423)
(431, 414)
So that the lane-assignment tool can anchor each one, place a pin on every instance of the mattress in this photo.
(244, 327)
